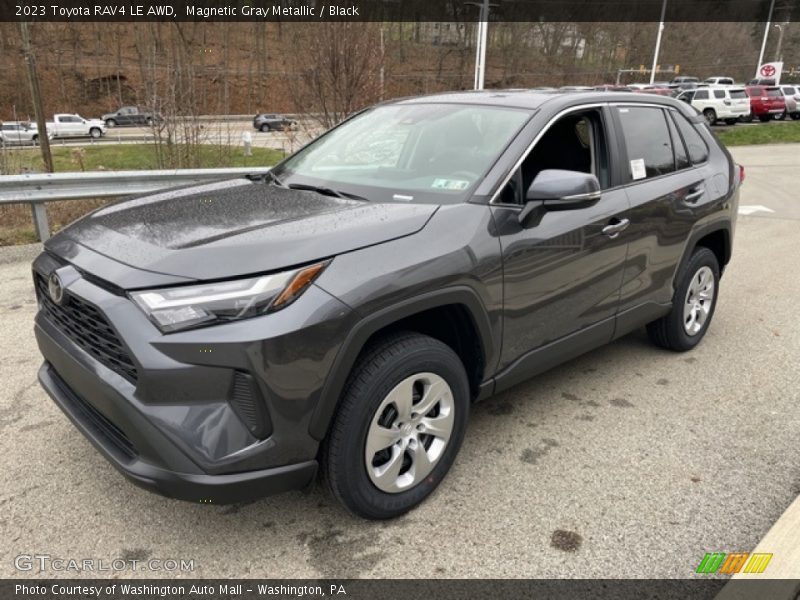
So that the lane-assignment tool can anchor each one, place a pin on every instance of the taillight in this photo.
(741, 173)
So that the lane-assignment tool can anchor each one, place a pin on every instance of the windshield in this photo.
(412, 152)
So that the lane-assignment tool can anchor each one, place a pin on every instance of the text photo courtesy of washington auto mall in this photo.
(400, 299)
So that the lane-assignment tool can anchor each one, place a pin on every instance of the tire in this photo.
(781, 117)
(111, 123)
(747, 119)
(95, 132)
(374, 405)
(264, 128)
(710, 115)
(731, 121)
(149, 121)
(674, 331)
(35, 140)
(796, 116)
(764, 118)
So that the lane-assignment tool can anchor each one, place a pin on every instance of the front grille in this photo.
(93, 419)
(87, 327)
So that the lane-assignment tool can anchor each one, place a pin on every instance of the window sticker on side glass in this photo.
(637, 169)
(450, 184)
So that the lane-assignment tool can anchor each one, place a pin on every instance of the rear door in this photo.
(668, 188)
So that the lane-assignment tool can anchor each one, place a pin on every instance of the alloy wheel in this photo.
(699, 300)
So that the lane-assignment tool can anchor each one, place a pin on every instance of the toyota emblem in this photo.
(55, 289)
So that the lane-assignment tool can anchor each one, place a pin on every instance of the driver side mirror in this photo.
(557, 189)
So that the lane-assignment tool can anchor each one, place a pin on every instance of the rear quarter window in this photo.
(738, 94)
(695, 145)
(647, 141)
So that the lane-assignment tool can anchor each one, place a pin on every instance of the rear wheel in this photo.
(746, 119)
(111, 123)
(781, 116)
(710, 115)
(731, 121)
(692, 305)
(399, 426)
(264, 128)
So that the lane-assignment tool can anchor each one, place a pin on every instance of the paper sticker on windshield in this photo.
(450, 184)
(637, 169)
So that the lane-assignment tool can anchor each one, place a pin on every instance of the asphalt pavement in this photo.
(629, 461)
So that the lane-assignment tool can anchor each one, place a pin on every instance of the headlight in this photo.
(189, 306)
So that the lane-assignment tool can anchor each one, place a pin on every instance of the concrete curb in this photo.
(782, 576)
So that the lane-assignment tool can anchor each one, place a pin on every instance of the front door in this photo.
(563, 269)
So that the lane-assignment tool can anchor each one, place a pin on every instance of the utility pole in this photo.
(658, 43)
(764, 41)
(383, 62)
(33, 78)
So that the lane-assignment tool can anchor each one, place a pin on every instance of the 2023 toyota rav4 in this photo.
(227, 341)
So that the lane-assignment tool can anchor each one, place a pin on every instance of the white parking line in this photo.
(749, 209)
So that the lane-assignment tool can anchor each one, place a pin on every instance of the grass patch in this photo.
(761, 133)
(16, 224)
(124, 157)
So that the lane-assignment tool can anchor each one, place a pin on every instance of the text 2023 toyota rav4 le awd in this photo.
(227, 341)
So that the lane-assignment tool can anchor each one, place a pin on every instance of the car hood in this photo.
(228, 229)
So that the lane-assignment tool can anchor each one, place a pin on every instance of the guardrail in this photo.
(37, 189)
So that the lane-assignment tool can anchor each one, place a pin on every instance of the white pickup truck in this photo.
(66, 125)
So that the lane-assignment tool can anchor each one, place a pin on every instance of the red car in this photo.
(766, 102)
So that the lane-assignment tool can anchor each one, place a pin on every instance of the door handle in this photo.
(693, 196)
(613, 229)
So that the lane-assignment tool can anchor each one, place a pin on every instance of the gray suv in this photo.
(341, 315)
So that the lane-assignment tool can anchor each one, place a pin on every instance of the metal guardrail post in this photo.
(40, 224)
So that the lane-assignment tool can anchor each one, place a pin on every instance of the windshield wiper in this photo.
(275, 179)
(325, 191)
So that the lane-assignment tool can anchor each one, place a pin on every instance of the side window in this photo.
(719, 94)
(701, 95)
(681, 156)
(575, 142)
(698, 151)
(647, 142)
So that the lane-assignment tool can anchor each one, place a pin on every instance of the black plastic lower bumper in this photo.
(193, 487)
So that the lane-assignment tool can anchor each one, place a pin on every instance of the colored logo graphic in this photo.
(768, 70)
(719, 562)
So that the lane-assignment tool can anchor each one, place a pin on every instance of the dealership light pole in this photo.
(658, 42)
(764, 41)
(780, 27)
(480, 44)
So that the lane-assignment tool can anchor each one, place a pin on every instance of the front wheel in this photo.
(796, 116)
(399, 426)
(781, 116)
(692, 305)
(264, 128)
(111, 123)
(95, 132)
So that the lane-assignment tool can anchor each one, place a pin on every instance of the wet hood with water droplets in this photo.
(231, 228)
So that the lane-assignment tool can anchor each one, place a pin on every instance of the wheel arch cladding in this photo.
(714, 236)
(454, 316)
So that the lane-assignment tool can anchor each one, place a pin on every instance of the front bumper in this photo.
(176, 426)
(193, 487)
